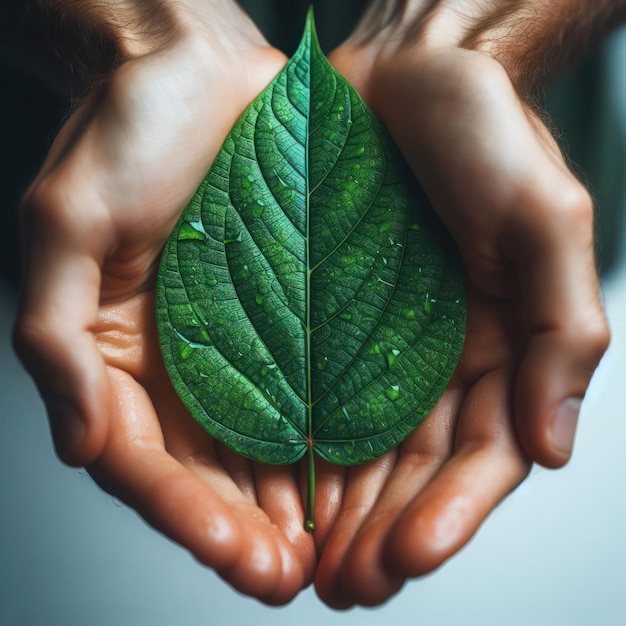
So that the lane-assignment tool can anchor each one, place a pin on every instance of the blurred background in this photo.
(553, 553)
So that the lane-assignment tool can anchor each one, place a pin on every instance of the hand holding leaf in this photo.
(307, 302)
(96, 218)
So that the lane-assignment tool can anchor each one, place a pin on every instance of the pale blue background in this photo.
(553, 554)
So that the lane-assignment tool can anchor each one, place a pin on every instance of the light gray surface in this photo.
(553, 554)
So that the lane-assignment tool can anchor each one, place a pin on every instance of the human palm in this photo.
(116, 180)
(535, 330)
(114, 183)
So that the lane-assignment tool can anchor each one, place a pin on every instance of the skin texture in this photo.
(536, 329)
(116, 179)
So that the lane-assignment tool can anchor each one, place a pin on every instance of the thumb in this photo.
(552, 249)
(59, 307)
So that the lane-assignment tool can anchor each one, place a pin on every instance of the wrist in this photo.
(536, 39)
(138, 27)
(531, 39)
(93, 37)
(131, 27)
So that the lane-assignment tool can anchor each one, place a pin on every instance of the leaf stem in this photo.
(309, 524)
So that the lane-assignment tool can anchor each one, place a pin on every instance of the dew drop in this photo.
(236, 239)
(258, 211)
(345, 412)
(360, 151)
(244, 272)
(322, 363)
(184, 350)
(385, 226)
(345, 316)
(393, 392)
(259, 299)
(191, 231)
(409, 314)
(375, 349)
(391, 356)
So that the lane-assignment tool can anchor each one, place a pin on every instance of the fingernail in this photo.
(68, 429)
(564, 426)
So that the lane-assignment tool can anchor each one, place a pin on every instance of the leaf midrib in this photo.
(308, 333)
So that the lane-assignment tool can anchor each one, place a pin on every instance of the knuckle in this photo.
(45, 205)
(25, 338)
(566, 204)
(573, 208)
(34, 340)
(598, 337)
(55, 206)
(589, 337)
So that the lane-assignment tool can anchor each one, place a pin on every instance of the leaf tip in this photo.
(309, 38)
(310, 19)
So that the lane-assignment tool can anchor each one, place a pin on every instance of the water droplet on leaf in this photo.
(393, 392)
(191, 231)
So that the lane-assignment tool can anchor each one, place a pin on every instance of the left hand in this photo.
(536, 329)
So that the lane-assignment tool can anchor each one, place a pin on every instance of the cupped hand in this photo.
(536, 329)
(116, 179)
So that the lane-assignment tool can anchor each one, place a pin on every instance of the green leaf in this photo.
(308, 300)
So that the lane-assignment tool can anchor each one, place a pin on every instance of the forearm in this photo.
(532, 39)
(95, 36)
(132, 27)
(535, 39)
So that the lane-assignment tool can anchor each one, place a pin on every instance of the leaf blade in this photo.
(307, 296)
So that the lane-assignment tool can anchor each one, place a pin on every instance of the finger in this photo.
(272, 492)
(234, 482)
(278, 494)
(365, 578)
(235, 538)
(553, 251)
(487, 464)
(508, 198)
(240, 471)
(363, 485)
(59, 307)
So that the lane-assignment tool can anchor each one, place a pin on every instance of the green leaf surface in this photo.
(308, 299)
